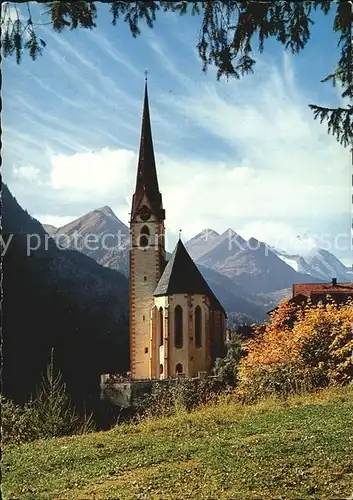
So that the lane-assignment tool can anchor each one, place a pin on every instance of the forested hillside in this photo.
(61, 299)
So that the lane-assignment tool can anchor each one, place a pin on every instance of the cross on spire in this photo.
(146, 74)
(180, 230)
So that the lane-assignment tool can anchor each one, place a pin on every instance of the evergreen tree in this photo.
(52, 410)
(227, 368)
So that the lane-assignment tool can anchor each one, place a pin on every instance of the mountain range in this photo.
(248, 276)
(71, 293)
(319, 263)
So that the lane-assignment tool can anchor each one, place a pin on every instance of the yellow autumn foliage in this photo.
(298, 349)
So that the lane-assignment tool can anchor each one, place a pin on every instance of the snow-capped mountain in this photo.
(318, 263)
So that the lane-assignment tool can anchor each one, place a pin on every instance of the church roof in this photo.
(146, 180)
(181, 275)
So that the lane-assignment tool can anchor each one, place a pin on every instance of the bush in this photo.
(16, 422)
(50, 414)
(182, 394)
(226, 368)
(281, 380)
(299, 349)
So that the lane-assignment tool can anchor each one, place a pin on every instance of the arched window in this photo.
(144, 236)
(179, 369)
(198, 327)
(161, 369)
(160, 326)
(178, 327)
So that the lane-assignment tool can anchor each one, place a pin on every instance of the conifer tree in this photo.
(52, 408)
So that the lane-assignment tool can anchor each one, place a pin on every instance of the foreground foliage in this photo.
(299, 349)
(50, 414)
(179, 395)
(299, 448)
(227, 368)
(229, 32)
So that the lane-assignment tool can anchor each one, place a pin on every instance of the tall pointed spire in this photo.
(146, 181)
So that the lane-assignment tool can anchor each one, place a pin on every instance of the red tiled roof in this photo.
(309, 289)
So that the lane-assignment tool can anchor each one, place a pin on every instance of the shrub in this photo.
(226, 369)
(16, 422)
(281, 379)
(178, 395)
(53, 414)
(50, 414)
(299, 349)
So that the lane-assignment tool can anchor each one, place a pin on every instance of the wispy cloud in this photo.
(165, 59)
(112, 52)
(108, 89)
(245, 154)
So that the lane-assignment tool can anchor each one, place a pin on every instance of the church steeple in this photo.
(146, 181)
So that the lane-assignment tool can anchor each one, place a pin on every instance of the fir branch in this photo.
(339, 122)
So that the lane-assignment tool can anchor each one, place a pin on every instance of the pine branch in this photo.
(339, 122)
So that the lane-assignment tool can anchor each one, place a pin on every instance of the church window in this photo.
(146, 350)
(160, 369)
(179, 369)
(160, 326)
(144, 236)
(178, 327)
(198, 327)
(145, 278)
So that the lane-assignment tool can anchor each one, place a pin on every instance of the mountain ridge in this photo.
(247, 275)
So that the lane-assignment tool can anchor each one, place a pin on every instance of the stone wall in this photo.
(128, 393)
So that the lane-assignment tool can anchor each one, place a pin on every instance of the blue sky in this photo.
(244, 154)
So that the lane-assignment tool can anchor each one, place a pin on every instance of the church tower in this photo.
(147, 252)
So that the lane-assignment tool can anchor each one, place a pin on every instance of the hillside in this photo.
(50, 229)
(61, 299)
(319, 263)
(99, 235)
(251, 265)
(246, 307)
(301, 448)
(259, 268)
(202, 243)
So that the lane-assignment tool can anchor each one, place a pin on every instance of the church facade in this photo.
(177, 324)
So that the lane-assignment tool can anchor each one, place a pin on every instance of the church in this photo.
(177, 324)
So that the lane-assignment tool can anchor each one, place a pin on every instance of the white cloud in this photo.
(278, 163)
(280, 235)
(56, 220)
(27, 173)
(96, 173)
(9, 13)
(196, 195)
(200, 194)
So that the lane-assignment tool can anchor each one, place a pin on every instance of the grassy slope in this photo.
(298, 449)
